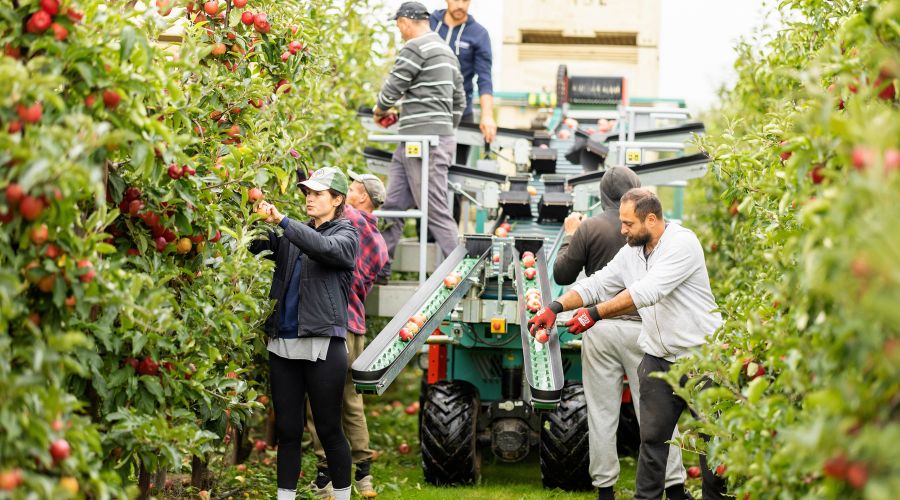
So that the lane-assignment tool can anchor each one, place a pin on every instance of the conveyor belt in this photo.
(384, 358)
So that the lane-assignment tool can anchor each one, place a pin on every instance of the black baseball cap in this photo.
(412, 10)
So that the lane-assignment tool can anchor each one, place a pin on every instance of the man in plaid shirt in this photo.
(365, 194)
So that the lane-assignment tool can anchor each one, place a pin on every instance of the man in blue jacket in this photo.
(472, 45)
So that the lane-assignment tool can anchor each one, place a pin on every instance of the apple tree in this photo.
(798, 218)
(131, 136)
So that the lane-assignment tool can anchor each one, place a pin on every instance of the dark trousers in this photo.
(660, 411)
(323, 381)
(462, 150)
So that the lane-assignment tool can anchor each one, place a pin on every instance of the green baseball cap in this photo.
(327, 178)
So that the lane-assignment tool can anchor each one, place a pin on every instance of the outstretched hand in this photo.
(269, 212)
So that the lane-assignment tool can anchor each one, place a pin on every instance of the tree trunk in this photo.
(242, 446)
(199, 473)
(143, 482)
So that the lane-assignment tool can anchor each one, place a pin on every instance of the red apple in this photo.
(260, 445)
(419, 319)
(541, 336)
(785, 155)
(693, 472)
(283, 83)
(50, 6)
(405, 335)
(528, 261)
(720, 470)
(412, 328)
(211, 7)
(564, 135)
(533, 306)
(216, 237)
(14, 195)
(60, 450)
(255, 194)
(59, 31)
(132, 193)
(31, 207)
(817, 174)
(38, 22)
(500, 232)
(247, 18)
(857, 475)
(135, 207)
(261, 23)
(111, 98)
(295, 47)
(403, 448)
(836, 466)
(888, 91)
(410, 410)
(506, 226)
(862, 157)
(39, 234)
(240, 4)
(148, 367)
(218, 49)
(891, 160)
(10, 479)
(174, 172)
(530, 273)
(161, 243)
(527, 254)
(285, 55)
(30, 114)
(496, 258)
(52, 251)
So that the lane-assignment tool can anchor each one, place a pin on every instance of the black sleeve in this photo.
(337, 250)
(270, 242)
(570, 259)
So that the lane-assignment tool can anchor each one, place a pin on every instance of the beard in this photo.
(638, 240)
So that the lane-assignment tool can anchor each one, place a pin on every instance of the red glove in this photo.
(545, 317)
(584, 319)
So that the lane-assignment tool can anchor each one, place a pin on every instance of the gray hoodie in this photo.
(598, 238)
(670, 289)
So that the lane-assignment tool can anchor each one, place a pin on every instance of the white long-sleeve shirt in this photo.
(670, 289)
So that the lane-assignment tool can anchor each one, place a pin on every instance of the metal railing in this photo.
(426, 142)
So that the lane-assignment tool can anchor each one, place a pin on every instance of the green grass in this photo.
(400, 476)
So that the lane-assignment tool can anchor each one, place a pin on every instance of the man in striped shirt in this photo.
(427, 83)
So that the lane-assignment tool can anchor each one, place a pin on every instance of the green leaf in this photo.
(126, 43)
(105, 248)
(756, 389)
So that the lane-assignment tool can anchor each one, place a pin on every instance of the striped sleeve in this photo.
(405, 70)
(459, 98)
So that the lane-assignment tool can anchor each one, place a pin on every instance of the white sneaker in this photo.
(365, 488)
(326, 493)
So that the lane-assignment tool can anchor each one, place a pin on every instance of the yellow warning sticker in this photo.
(632, 157)
(413, 149)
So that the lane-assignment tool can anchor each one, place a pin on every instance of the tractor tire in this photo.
(564, 442)
(448, 434)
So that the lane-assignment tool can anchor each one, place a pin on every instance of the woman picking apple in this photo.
(314, 264)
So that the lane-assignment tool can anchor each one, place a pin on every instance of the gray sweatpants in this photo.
(404, 190)
(610, 350)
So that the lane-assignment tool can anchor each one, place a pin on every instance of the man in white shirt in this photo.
(661, 274)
